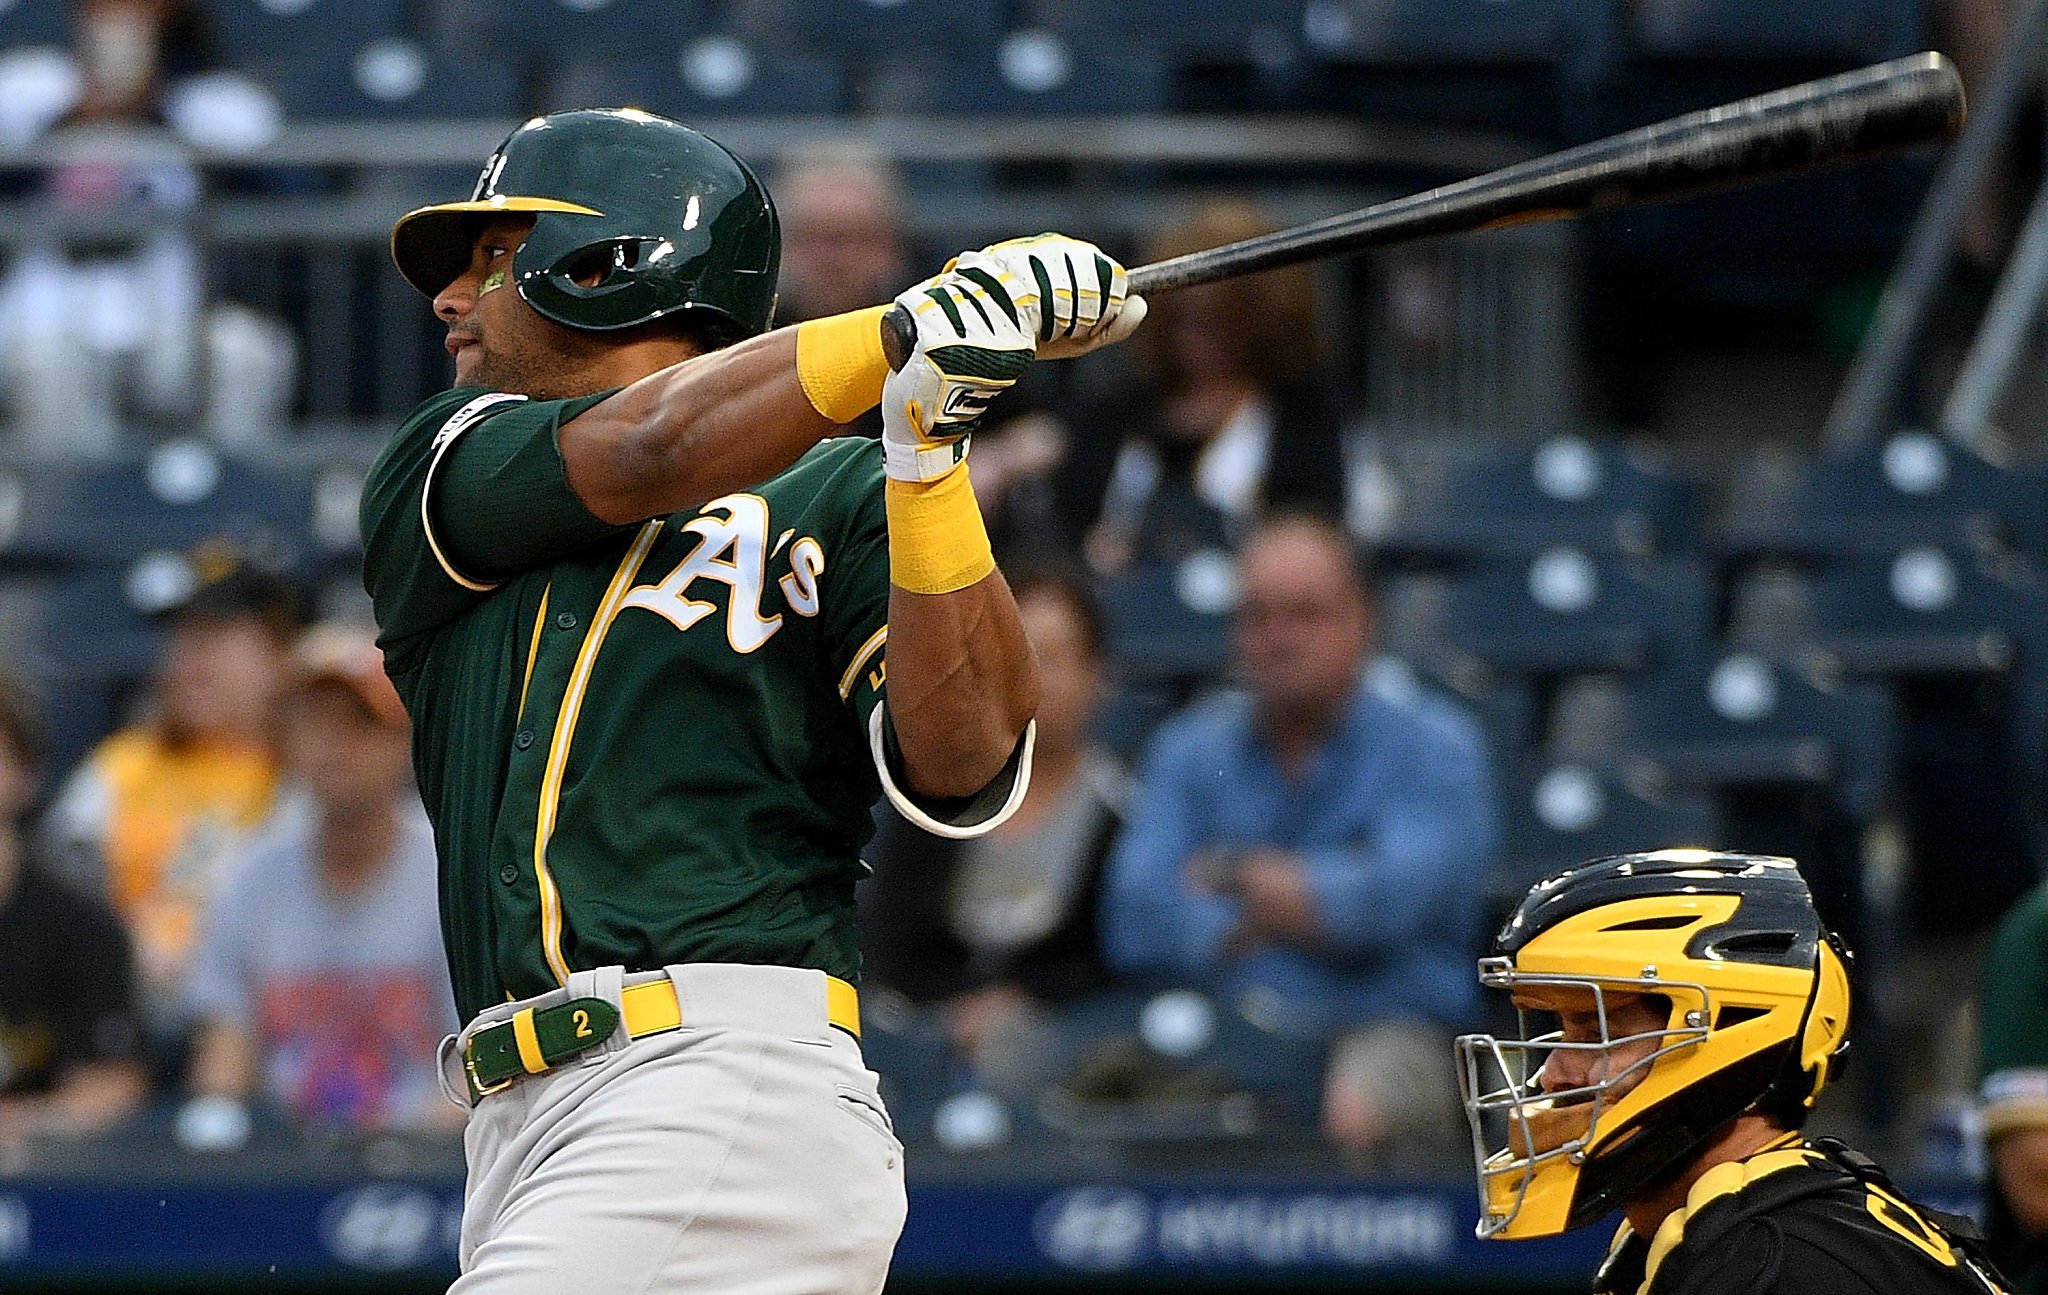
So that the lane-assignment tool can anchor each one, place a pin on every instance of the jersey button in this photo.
(508, 874)
(567, 620)
(523, 738)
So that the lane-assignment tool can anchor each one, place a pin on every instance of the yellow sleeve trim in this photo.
(860, 658)
(840, 363)
(937, 540)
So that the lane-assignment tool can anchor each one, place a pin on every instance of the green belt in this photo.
(534, 1040)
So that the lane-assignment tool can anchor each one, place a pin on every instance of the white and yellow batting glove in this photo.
(1080, 294)
(973, 338)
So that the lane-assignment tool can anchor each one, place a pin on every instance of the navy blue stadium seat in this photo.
(1145, 1066)
(1963, 641)
(1853, 30)
(895, 27)
(554, 28)
(714, 77)
(249, 30)
(1595, 494)
(1561, 813)
(394, 77)
(1566, 610)
(177, 496)
(1910, 488)
(1037, 73)
(1154, 632)
(34, 22)
(1243, 25)
(1747, 722)
(1456, 31)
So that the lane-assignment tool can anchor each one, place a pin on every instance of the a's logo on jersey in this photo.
(732, 550)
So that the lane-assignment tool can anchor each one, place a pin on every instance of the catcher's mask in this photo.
(635, 218)
(1748, 1009)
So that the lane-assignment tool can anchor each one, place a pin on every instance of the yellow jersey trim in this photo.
(558, 748)
(533, 646)
(860, 659)
(1722, 1180)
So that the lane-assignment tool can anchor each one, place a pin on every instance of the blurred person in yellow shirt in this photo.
(151, 813)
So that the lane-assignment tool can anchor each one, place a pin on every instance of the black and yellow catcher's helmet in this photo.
(666, 219)
(1757, 1019)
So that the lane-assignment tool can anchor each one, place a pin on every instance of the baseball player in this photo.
(664, 639)
(1681, 1011)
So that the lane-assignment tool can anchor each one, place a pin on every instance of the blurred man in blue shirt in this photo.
(1311, 848)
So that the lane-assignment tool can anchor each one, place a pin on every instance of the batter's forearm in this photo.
(693, 431)
(724, 421)
(963, 683)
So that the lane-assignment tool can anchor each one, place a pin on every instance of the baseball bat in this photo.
(1840, 119)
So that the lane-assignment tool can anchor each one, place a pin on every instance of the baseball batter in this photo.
(664, 641)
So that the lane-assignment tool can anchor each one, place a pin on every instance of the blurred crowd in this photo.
(1266, 835)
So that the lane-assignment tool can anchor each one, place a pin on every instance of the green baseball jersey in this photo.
(639, 745)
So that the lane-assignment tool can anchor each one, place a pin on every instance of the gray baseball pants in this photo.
(747, 1153)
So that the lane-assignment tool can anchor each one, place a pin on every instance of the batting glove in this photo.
(1082, 296)
(973, 340)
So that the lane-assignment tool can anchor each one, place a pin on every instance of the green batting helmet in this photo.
(668, 220)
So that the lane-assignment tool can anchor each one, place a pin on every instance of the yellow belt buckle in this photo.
(478, 1086)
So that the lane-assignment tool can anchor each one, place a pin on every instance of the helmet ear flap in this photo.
(1824, 1044)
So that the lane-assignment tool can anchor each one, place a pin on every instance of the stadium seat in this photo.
(716, 76)
(1560, 813)
(1963, 641)
(1160, 624)
(393, 77)
(1030, 73)
(1175, 1064)
(34, 22)
(180, 494)
(257, 30)
(894, 27)
(1446, 31)
(1748, 722)
(1911, 488)
(1566, 610)
(1594, 494)
(552, 28)
(1249, 26)
(1853, 31)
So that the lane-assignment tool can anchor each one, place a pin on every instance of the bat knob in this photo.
(899, 337)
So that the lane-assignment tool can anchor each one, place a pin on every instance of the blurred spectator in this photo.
(843, 245)
(990, 931)
(105, 314)
(1311, 848)
(321, 982)
(70, 1045)
(153, 811)
(2013, 1068)
(1229, 412)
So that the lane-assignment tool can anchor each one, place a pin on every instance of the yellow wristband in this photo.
(937, 542)
(840, 363)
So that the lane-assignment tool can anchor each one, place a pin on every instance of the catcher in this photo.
(1681, 1011)
(664, 640)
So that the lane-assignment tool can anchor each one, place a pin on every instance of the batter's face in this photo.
(498, 341)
